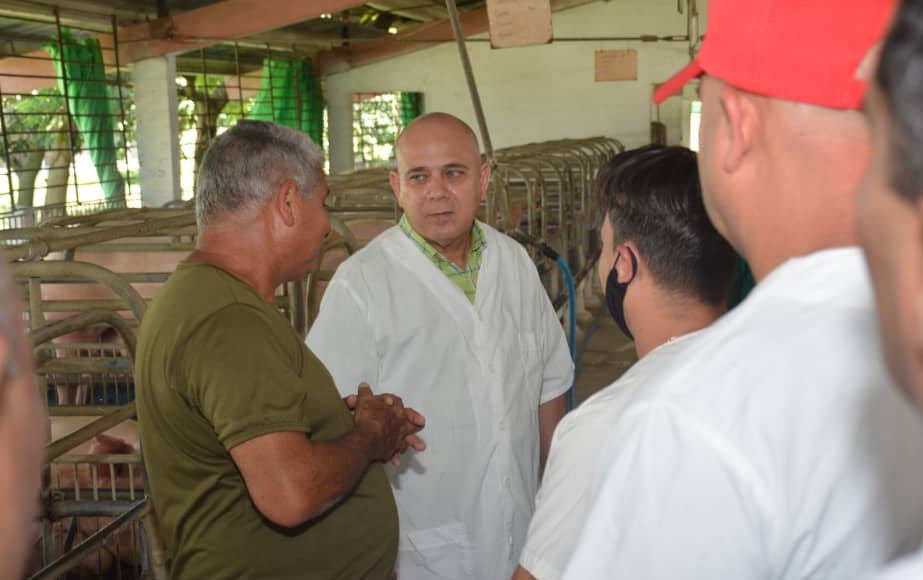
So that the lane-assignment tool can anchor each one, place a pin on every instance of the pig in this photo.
(121, 549)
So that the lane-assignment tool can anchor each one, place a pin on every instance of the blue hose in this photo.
(572, 324)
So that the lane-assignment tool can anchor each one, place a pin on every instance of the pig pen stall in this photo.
(86, 282)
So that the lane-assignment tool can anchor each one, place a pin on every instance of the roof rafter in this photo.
(218, 22)
(417, 38)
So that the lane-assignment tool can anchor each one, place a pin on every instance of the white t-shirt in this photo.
(560, 506)
(477, 372)
(778, 449)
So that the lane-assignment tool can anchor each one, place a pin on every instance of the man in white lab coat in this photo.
(450, 314)
(890, 212)
(778, 448)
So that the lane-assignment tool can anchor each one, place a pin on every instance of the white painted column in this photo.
(340, 129)
(158, 130)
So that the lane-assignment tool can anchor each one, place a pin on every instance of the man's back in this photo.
(217, 366)
(779, 450)
(561, 502)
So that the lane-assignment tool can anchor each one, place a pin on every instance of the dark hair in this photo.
(653, 198)
(900, 76)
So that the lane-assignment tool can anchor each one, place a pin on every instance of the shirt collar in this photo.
(478, 239)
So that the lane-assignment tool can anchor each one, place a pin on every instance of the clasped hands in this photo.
(391, 426)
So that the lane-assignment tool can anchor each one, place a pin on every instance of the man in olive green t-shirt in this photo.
(257, 468)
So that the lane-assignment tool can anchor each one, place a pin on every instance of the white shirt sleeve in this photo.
(676, 501)
(341, 337)
(560, 507)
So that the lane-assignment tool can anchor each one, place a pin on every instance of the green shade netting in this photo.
(81, 76)
(411, 105)
(290, 94)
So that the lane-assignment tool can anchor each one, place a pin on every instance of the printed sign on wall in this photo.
(617, 65)
(519, 22)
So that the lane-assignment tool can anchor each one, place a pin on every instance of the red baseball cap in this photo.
(798, 50)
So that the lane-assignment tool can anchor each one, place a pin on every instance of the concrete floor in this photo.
(606, 355)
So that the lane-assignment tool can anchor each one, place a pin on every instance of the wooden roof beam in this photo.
(419, 37)
(35, 70)
(213, 23)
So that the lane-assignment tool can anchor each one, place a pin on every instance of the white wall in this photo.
(536, 93)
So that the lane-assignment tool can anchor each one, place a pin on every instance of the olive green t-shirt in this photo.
(216, 366)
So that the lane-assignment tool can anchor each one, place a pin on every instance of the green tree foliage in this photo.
(34, 124)
(202, 100)
(376, 124)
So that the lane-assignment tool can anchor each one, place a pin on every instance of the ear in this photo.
(283, 202)
(394, 179)
(485, 179)
(869, 64)
(624, 265)
(740, 116)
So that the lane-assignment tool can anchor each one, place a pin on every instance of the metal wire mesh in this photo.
(222, 84)
(52, 146)
(377, 121)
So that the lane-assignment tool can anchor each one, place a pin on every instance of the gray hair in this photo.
(248, 162)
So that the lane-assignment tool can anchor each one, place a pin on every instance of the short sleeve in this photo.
(675, 501)
(560, 506)
(243, 373)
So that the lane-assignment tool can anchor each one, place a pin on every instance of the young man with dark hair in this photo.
(667, 274)
(778, 448)
(890, 213)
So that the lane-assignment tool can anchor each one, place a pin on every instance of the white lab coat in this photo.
(477, 372)
(777, 448)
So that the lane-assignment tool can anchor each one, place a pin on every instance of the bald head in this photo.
(440, 180)
(429, 125)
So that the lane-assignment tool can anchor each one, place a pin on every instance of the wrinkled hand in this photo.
(391, 425)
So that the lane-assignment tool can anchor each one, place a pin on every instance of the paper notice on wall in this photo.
(519, 22)
(617, 65)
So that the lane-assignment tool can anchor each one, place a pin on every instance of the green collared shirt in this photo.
(464, 278)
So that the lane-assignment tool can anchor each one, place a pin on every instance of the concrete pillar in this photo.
(158, 130)
(340, 129)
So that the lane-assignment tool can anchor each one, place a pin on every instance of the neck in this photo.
(455, 251)
(803, 190)
(770, 243)
(670, 318)
(239, 250)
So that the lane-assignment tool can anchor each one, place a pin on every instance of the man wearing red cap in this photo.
(778, 448)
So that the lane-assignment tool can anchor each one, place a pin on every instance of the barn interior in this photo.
(108, 107)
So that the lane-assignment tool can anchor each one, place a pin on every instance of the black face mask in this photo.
(615, 295)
